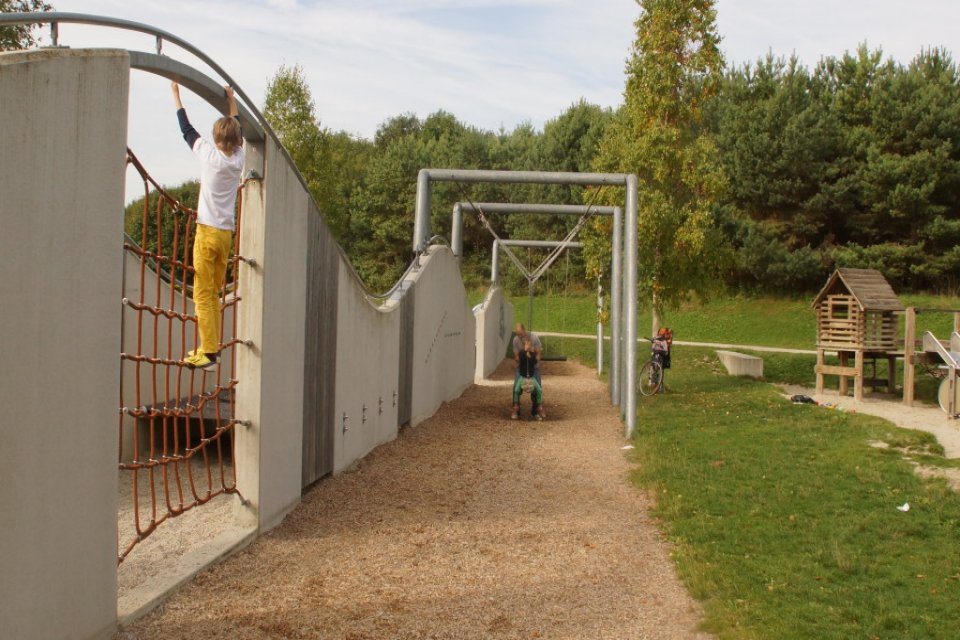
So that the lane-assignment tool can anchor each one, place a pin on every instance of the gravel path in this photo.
(468, 526)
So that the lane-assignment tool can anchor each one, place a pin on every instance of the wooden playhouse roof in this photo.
(868, 286)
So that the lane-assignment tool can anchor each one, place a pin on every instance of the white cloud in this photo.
(489, 62)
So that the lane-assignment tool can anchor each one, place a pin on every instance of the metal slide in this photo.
(949, 393)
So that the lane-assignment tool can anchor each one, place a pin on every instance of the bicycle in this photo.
(651, 374)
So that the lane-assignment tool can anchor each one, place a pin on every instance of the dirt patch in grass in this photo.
(920, 417)
(952, 476)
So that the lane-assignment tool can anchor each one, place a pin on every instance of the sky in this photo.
(491, 63)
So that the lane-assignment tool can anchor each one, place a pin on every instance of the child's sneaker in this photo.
(516, 412)
(541, 414)
(197, 360)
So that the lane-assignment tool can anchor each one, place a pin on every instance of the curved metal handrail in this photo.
(55, 17)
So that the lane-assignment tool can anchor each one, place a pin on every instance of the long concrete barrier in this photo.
(494, 329)
(63, 126)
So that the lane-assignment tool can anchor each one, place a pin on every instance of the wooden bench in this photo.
(740, 364)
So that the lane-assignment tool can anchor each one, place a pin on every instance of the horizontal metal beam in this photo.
(538, 243)
(524, 177)
(56, 17)
(555, 209)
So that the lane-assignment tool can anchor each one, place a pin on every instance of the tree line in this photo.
(760, 177)
(855, 162)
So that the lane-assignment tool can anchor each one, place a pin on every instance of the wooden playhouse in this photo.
(857, 317)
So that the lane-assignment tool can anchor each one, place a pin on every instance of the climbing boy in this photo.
(221, 165)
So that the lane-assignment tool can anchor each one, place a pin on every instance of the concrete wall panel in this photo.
(320, 357)
(444, 334)
(494, 328)
(272, 313)
(63, 125)
(368, 348)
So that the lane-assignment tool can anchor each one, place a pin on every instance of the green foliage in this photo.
(21, 36)
(674, 67)
(853, 164)
(163, 231)
(382, 204)
(763, 179)
(784, 519)
(330, 163)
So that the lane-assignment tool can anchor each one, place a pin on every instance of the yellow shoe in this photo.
(197, 360)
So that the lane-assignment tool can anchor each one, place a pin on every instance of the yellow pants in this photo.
(211, 249)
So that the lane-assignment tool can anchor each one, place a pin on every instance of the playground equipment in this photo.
(941, 359)
(616, 288)
(623, 391)
(949, 393)
(857, 315)
(324, 371)
(554, 244)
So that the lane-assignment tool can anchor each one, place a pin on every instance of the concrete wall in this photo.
(274, 232)
(444, 334)
(494, 330)
(63, 127)
(368, 351)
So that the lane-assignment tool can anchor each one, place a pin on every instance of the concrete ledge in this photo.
(739, 364)
(144, 599)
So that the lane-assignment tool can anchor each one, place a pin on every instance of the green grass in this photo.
(762, 321)
(784, 519)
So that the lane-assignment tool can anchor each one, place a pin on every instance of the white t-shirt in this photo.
(219, 179)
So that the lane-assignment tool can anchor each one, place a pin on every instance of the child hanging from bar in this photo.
(221, 165)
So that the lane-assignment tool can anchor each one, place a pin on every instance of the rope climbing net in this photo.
(176, 423)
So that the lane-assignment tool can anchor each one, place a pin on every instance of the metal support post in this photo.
(421, 222)
(631, 260)
(456, 232)
(599, 329)
(615, 320)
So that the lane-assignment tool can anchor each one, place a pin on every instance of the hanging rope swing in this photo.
(533, 275)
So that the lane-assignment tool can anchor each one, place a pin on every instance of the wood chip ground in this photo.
(469, 525)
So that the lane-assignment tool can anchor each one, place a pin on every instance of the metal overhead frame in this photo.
(617, 319)
(146, 61)
(422, 235)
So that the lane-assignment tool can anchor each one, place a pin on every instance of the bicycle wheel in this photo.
(651, 377)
